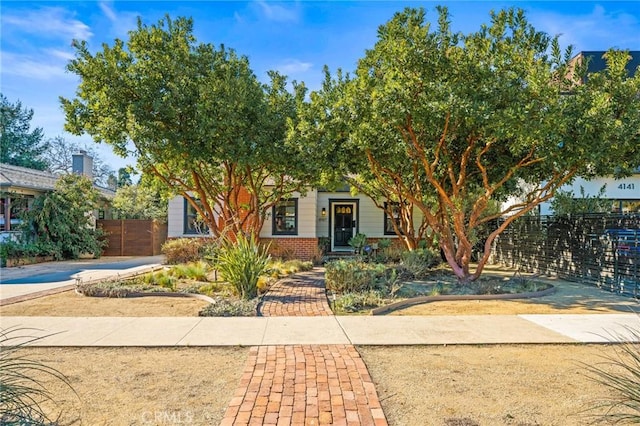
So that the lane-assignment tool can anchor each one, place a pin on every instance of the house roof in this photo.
(22, 177)
(597, 62)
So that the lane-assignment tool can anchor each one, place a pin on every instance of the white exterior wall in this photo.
(616, 189)
(311, 224)
(370, 218)
(175, 217)
(306, 218)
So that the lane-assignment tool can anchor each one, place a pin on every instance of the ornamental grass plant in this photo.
(23, 393)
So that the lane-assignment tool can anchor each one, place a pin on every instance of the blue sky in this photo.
(296, 37)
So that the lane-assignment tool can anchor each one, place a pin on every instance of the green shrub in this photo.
(279, 268)
(23, 389)
(354, 302)
(358, 242)
(420, 261)
(350, 275)
(197, 271)
(185, 250)
(230, 308)
(162, 279)
(241, 263)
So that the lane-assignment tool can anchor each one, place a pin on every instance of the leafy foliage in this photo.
(139, 202)
(22, 388)
(420, 262)
(452, 124)
(185, 250)
(231, 308)
(241, 263)
(566, 202)
(360, 301)
(351, 275)
(62, 221)
(198, 119)
(20, 146)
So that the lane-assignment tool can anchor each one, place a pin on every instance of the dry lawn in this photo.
(522, 385)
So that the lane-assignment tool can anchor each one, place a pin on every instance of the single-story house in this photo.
(297, 225)
(19, 186)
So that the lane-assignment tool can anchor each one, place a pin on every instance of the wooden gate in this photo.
(131, 237)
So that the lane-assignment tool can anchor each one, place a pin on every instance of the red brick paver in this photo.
(300, 295)
(304, 384)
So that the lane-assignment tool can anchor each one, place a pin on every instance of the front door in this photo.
(343, 224)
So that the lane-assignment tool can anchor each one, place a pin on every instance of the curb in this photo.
(428, 299)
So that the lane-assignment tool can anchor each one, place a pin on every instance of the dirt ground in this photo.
(521, 385)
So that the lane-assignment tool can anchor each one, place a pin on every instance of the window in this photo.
(395, 217)
(285, 217)
(193, 223)
(12, 210)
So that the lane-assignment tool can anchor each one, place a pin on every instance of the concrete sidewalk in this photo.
(356, 330)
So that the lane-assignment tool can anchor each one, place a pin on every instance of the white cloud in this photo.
(48, 22)
(60, 54)
(42, 68)
(294, 66)
(278, 12)
(600, 29)
(121, 22)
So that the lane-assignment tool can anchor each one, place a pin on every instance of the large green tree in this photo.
(198, 120)
(19, 144)
(450, 123)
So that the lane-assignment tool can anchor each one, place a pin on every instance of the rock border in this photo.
(428, 299)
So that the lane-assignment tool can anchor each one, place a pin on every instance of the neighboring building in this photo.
(624, 193)
(19, 186)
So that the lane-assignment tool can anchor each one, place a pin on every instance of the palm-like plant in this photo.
(620, 374)
(22, 392)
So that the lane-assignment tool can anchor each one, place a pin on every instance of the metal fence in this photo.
(602, 250)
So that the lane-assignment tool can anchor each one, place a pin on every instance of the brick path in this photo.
(300, 295)
(303, 384)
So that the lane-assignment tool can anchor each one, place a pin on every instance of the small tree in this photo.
(63, 219)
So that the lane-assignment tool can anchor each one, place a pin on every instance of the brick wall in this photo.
(290, 248)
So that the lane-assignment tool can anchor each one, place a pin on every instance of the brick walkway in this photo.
(303, 384)
(300, 295)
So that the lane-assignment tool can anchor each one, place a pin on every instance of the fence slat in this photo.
(601, 250)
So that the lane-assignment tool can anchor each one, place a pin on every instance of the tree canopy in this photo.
(19, 145)
(452, 124)
(198, 118)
